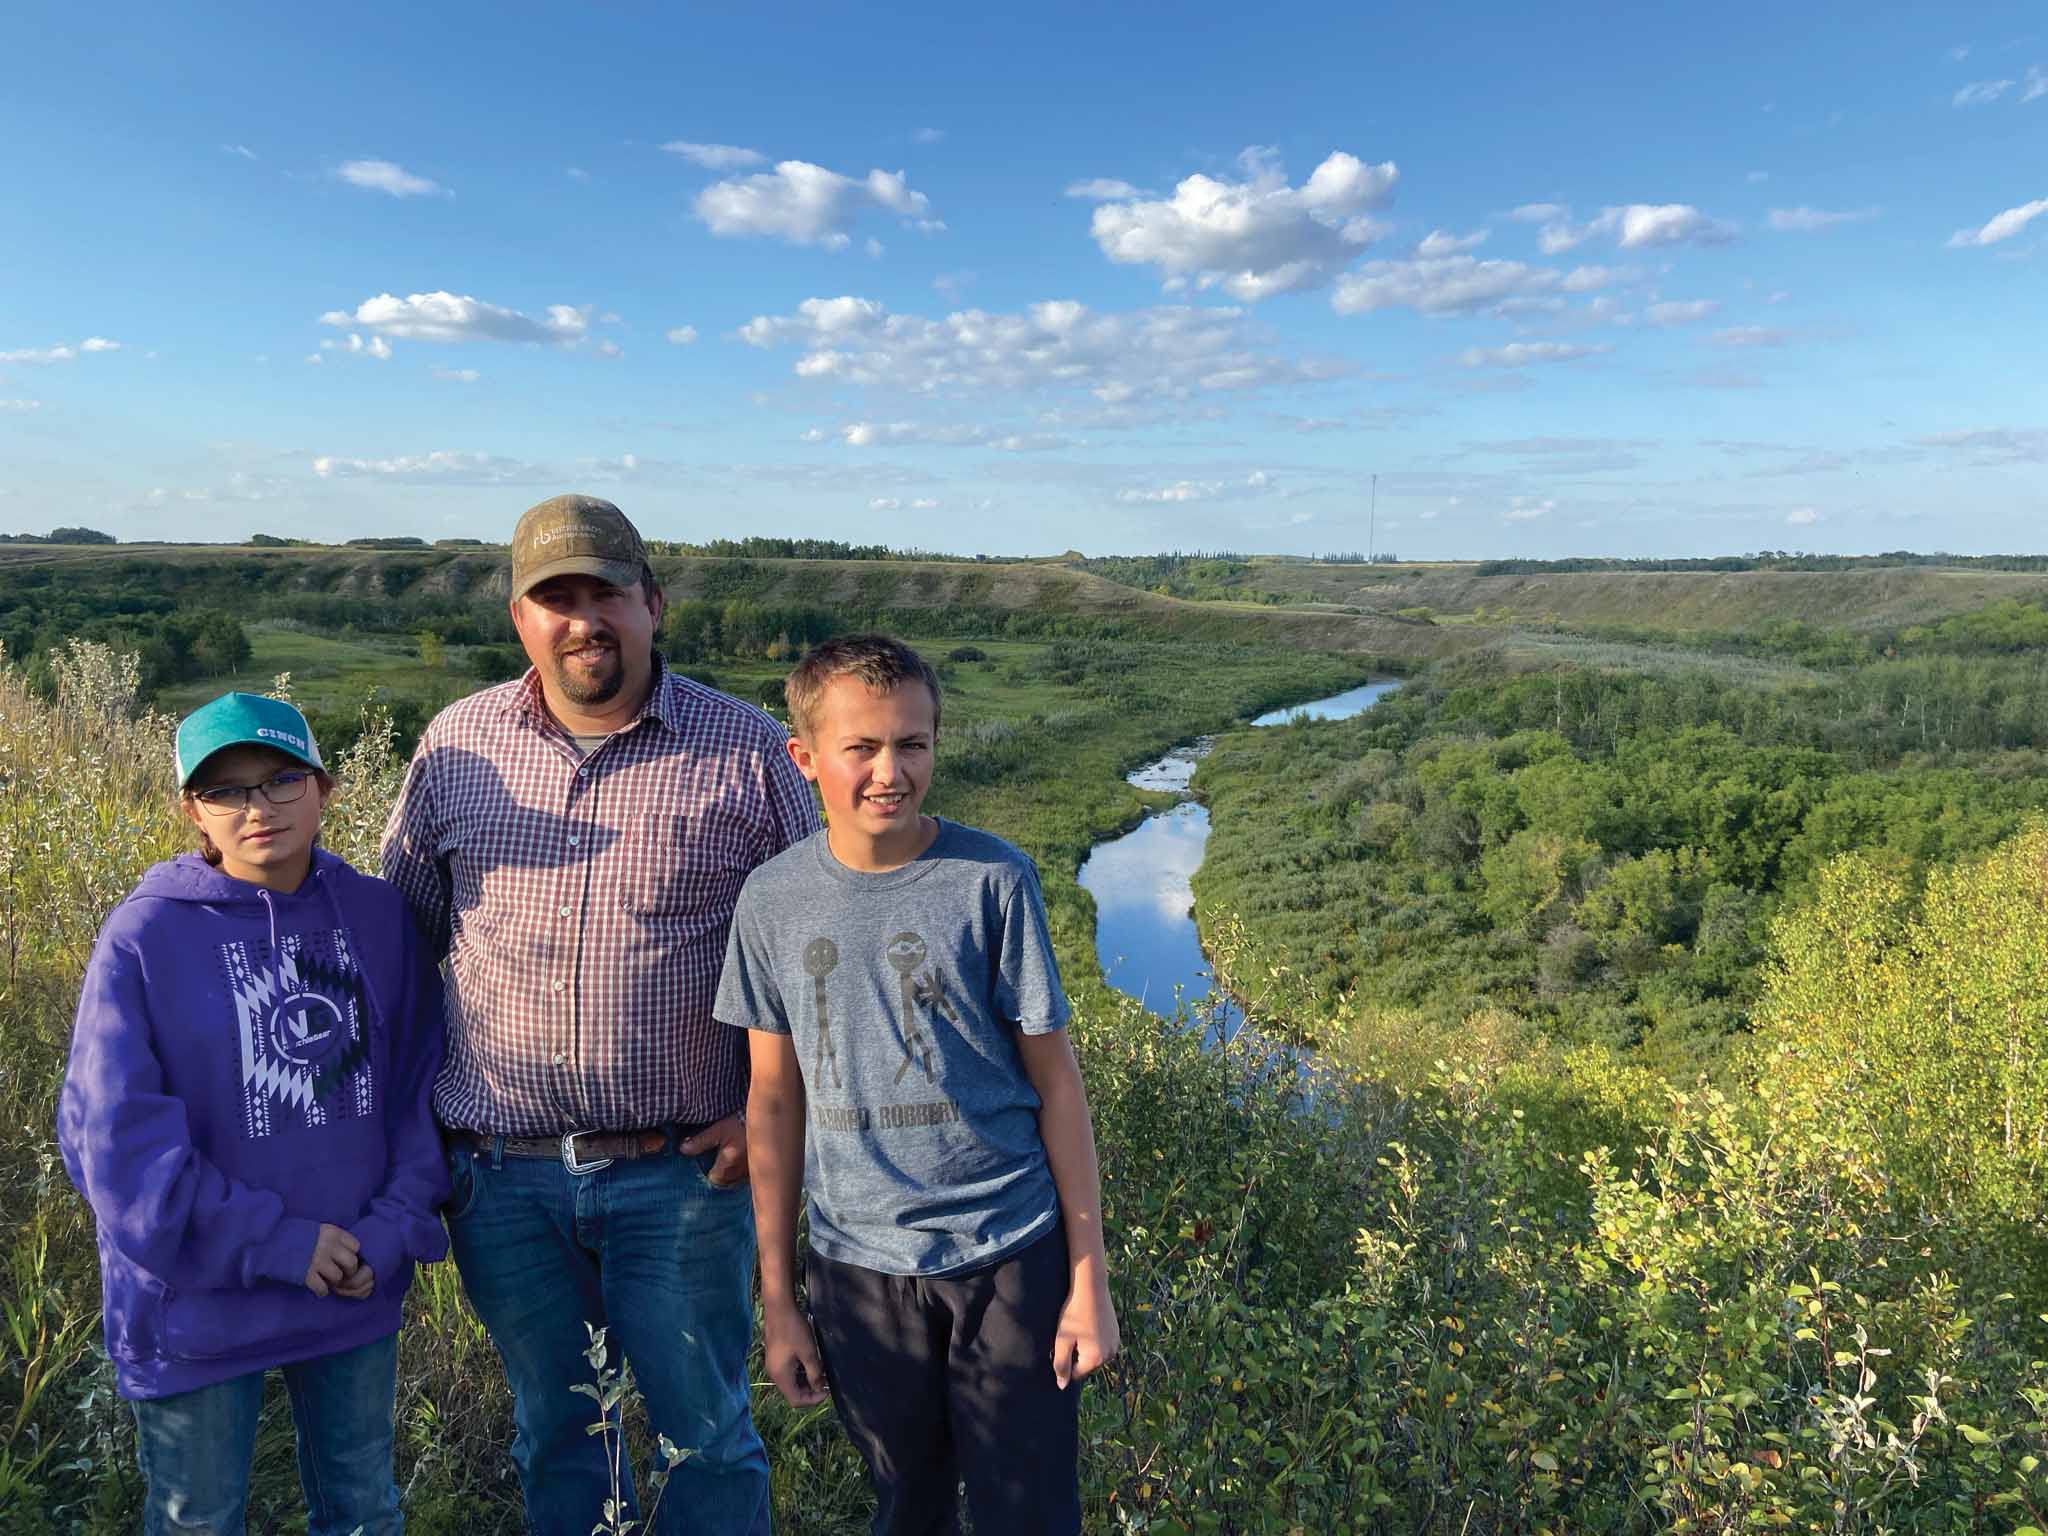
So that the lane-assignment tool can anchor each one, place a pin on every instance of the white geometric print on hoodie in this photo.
(301, 1025)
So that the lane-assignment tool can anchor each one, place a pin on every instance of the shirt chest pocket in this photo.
(681, 874)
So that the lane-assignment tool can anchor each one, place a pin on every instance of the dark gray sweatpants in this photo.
(949, 1379)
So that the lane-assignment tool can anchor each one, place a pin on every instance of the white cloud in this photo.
(1994, 445)
(1680, 311)
(1803, 517)
(1526, 509)
(1637, 226)
(384, 176)
(438, 466)
(242, 150)
(447, 467)
(1440, 243)
(21, 405)
(1980, 93)
(1750, 336)
(885, 504)
(1960, 52)
(681, 335)
(1257, 483)
(444, 316)
(609, 348)
(376, 346)
(929, 136)
(1104, 189)
(61, 353)
(1180, 490)
(2002, 226)
(240, 486)
(457, 375)
(1252, 238)
(1814, 220)
(2037, 84)
(1520, 354)
(1446, 285)
(809, 205)
(1166, 353)
(1538, 213)
(870, 434)
(715, 157)
(577, 173)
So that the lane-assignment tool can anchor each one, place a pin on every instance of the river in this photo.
(1145, 938)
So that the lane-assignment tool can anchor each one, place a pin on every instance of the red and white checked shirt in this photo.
(582, 905)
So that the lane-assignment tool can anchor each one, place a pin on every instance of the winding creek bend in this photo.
(1145, 936)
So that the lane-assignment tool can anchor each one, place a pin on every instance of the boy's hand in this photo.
(790, 1351)
(334, 1259)
(357, 1287)
(729, 1136)
(1087, 1336)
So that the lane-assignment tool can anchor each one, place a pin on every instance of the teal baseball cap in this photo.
(243, 720)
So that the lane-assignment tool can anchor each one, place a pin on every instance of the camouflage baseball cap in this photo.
(575, 536)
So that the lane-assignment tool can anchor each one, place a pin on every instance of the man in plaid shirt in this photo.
(572, 845)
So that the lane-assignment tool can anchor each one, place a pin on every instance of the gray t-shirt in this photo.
(904, 992)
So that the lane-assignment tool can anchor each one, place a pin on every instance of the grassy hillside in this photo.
(214, 575)
(1719, 600)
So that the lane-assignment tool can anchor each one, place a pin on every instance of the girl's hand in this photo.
(357, 1287)
(334, 1259)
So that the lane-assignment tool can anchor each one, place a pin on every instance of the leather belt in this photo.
(584, 1151)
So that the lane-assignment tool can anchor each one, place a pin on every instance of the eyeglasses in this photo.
(278, 789)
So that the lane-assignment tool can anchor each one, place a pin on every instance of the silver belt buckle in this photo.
(569, 1160)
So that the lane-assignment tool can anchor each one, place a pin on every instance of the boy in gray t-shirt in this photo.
(911, 1073)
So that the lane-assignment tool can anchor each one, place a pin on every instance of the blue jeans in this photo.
(652, 1251)
(195, 1448)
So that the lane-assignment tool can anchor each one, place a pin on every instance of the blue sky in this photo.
(1620, 280)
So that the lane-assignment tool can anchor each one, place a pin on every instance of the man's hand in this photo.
(729, 1136)
(357, 1287)
(334, 1259)
(790, 1351)
(1087, 1336)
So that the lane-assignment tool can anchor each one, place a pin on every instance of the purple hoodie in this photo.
(245, 1066)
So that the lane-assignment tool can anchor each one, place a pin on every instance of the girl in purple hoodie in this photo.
(247, 1110)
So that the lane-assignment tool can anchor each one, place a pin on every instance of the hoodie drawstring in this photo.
(276, 958)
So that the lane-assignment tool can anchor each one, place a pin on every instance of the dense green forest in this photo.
(1604, 851)
(440, 630)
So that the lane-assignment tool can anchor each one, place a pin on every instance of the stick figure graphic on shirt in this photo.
(821, 958)
(906, 953)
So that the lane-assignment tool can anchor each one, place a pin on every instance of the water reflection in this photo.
(1175, 770)
(1145, 936)
(1144, 924)
(1339, 706)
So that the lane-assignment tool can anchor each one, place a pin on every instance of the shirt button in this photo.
(561, 1058)
(572, 839)
(564, 911)
(557, 986)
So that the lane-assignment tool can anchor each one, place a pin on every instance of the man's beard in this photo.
(598, 688)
